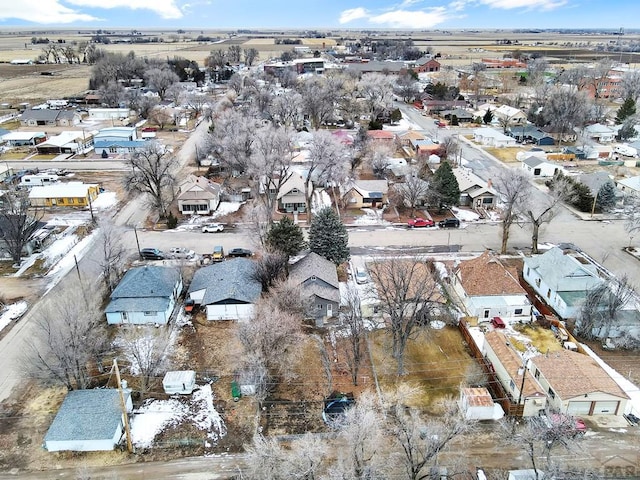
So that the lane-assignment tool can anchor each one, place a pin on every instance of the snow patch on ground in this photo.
(68, 261)
(371, 217)
(11, 312)
(465, 215)
(437, 324)
(157, 415)
(402, 126)
(224, 208)
(105, 200)
(321, 200)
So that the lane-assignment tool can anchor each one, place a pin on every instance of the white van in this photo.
(38, 180)
(626, 150)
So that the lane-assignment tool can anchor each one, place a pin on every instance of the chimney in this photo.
(489, 183)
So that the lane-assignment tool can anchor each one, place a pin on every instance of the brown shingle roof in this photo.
(478, 397)
(573, 374)
(486, 275)
(512, 363)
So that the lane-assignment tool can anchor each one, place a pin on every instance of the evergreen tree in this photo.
(488, 117)
(606, 199)
(445, 186)
(582, 198)
(626, 110)
(286, 237)
(454, 120)
(396, 115)
(627, 131)
(328, 236)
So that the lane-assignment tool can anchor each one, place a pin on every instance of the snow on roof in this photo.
(59, 190)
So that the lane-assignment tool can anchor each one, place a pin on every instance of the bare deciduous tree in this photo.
(271, 269)
(413, 191)
(514, 187)
(161, 79)
(317, 99)
(377, 90)
(69, 337)
(113, 253)
(631, 85)
(151, 174)
(18, 221)
(351, 318)
(232, 139)
(565, 109)
(407, 293)
(250, 55)
(287, 108)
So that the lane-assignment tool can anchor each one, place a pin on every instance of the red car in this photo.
(420, 222)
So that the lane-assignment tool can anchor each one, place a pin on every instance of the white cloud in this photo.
(411, 18)
(164, 8)
(528, 4)
(353, 14)
(42, 11)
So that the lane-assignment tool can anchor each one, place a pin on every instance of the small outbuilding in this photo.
(477, 404)
(179, 381)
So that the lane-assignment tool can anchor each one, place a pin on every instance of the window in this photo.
(517, 311)
(70, 200)
(552, 394)
(125, 316)
(549, 293)
(512, 385)
(537, 282)
(537, 374)
(486, 314)
(149, 314)
(487, 200)
(528, 271)
(61, 200)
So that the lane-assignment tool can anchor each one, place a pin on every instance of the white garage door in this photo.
(579, 408)
(605, 408)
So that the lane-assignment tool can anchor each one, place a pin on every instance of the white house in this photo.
(506, 113)
(227, 289)
(629, 185)
(600, 133)
(88, 421)
(492, 138)
(145, 295)
(198, 195)
(20, 139)
(510, 369)
(474, 191)
(538, 167)
(116, 134)
(488, 288)
(108, 113)
(577, 385)
(561, 278)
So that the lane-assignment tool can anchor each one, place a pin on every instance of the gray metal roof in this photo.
(148, 304)
(87, 415)
(533, 161)
(228, 280)
(568, 272)
(44, 115)
(147, 282)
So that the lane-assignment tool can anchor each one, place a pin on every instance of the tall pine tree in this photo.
(626, 110)
(606, 197)
(328, 236)
(445, 186)
(286, 237)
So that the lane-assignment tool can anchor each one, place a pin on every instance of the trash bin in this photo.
(235, 391)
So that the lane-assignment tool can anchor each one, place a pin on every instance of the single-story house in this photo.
(509, 367)
(489, 288)
(108, 113)
(319, 287)
(474, 191)
(105, 147)
(407, 137)
(381, 135)
(425, 147)
(88, 421)
(561, 278)
(629, 185)
(227, 289)
(559, 135)
(145, 295)
(67, 194)
(49, 117)
(365, 194)
(291, 196)
(65, 142)
(596, 180)
(577, 385)
(21, 139)
(509, 114)
(492, 138)
(116, 134)
(477, 404)
(600, 133)
(199, 196)
(436, 106)
(538, 167)
(531, 133)
(426, 64)
(463, 116)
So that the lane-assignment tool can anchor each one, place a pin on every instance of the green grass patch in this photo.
(436, 362)
(43, 157)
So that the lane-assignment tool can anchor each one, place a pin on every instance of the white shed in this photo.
(179, 381)
(477, 404)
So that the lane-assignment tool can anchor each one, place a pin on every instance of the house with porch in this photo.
(562, 278)
(69, 142)
(492, 138)
(531, 134)
(317, 279)
(145, 296)
(198, 196)
(509, 115)
(475, 192)
(24, 139)
(64, 194)
(88, 421)
(577, 385)
(489, 288)
(291, 197)
(600, 133)
(365, 194)
(227, 290)
(511, 370)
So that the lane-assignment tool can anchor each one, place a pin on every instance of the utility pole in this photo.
(135, 232)
(123, 406)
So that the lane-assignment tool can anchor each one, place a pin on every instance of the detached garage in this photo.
(577, 385)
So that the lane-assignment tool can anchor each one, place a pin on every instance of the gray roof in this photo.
(377, 66)
(44, 114)
(228, 280)
(564, 272)
(147, 282)
(533, 161)
(87, 415)
(595, 180)
(314, 265)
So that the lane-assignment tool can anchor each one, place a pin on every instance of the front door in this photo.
(329, 310)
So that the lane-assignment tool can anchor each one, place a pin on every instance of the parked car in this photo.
(212, 228)
(240, 252)
(574, 425)
(152, 254)
(449, 223)
(361, 276)
(218, 254)
(181, 252)
(420, 222)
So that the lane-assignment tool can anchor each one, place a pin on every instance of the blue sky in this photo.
(332, 14)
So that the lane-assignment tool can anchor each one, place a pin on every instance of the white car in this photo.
(181, 252)
(212, 228)
(361, 276)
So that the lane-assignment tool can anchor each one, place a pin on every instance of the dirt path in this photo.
(14, 288)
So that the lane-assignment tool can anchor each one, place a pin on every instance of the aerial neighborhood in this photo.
(423, 253)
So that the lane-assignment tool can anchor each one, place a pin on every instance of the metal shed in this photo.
(179, 381)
